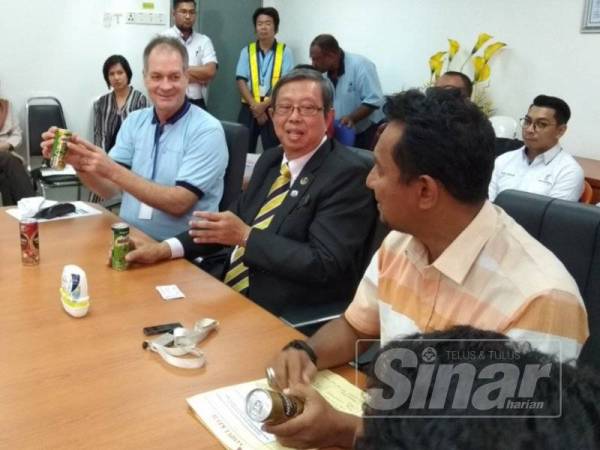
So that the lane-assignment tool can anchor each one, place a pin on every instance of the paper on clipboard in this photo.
(222, 411)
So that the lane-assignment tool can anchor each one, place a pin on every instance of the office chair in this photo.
(588, 193)
(571, 231)
(237, 137)
(41, 114)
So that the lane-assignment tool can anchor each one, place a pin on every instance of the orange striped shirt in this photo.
(494, 276)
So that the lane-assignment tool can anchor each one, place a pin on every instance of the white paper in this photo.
(170, 292)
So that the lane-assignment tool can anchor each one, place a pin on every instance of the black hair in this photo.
(327, 43)
(565, 414)
(113, 60)
(177, 2)
(466, 81)
(267, 11)
(447, 137)
(303, 74)
(562, 112)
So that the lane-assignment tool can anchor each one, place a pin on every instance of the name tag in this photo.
(145, 212)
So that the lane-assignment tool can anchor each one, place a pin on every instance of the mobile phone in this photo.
(160, 329)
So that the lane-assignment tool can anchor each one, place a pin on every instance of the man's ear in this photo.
(428, 191)
(562, 129)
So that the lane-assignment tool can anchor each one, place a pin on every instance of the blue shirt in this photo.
(266, 62)
(189, 151)
(357, 84)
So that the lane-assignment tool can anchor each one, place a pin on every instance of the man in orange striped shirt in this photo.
(452, 259)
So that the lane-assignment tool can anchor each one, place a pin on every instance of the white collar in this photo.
(297, 164)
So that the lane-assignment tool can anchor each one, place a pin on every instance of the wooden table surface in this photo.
(87, 383)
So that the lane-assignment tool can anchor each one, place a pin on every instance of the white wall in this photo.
(546, 53)
(57, 47)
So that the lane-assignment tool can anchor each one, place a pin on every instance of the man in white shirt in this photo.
(541, 166)
(202, 58)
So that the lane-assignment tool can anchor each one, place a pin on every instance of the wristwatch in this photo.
(302, 345)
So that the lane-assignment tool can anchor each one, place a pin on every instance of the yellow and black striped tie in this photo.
(237, 275)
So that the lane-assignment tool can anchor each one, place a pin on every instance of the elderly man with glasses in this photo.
(299, 236)
(541, 166)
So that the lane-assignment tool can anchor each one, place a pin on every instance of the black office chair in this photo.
(41, 114)
(237, 137)
(571, 231)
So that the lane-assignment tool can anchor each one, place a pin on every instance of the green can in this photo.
(59, 148)
(120, 246)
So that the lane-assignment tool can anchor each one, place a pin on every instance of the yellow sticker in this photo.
(148, 5)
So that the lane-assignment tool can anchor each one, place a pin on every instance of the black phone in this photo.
(160, 329)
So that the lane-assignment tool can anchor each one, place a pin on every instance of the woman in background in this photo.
(111, 109)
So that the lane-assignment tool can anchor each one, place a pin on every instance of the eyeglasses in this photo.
(526, 122)
(186, 12)
(286, 109)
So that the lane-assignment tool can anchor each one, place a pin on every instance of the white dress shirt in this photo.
(554, 173)
(200, 51)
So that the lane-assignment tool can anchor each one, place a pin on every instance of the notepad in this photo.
(223, 411)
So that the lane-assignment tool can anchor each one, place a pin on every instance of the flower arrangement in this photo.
(481, 67)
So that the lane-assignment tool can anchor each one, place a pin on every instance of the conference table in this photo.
(79, 383)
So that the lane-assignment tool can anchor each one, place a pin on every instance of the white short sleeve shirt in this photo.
(200, 51)
(554, 173)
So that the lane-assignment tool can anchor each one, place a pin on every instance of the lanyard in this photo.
(266, 63)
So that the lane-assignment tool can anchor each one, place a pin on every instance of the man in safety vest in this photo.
(259, 67)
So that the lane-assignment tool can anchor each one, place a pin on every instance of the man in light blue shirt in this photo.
(167, 161)
(260, 65)
(358, 97)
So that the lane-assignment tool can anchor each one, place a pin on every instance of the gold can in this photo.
(265, 405)
(59, 148)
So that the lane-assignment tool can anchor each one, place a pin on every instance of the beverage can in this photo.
(120, 246)
(59, 148)
(30, 242)
(265, 405)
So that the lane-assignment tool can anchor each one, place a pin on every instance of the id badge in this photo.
(262, 90)
(145, 212)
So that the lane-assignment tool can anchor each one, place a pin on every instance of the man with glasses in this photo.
(202, 58)
(541, 166)
(299, 235)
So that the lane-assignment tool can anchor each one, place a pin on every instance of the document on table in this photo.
(223, 411)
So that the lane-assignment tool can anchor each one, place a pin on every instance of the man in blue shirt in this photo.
(358, 97)
(260, 65)
(167, 160)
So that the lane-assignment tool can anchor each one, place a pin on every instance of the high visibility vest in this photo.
(254, 77)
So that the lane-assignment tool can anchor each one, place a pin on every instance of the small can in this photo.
(120, 246)
(30, 242)
(59, 148)
(265, 405)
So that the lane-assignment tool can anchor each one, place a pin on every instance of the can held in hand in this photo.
(59, 148)
(120, 246)
(265, 405)
(30, 242)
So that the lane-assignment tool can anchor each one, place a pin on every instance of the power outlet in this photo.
(130, 18)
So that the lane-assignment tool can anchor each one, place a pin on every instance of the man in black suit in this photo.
(300, 234)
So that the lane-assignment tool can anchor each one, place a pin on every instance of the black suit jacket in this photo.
(315, 249)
